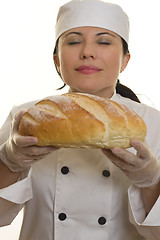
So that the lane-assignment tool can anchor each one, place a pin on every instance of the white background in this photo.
(26, 67)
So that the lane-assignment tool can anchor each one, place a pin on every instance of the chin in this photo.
(103, 92)
(82, 90)
(86, 88)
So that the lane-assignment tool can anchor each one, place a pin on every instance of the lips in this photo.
(88, 69)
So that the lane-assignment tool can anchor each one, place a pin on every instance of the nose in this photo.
(88, 51)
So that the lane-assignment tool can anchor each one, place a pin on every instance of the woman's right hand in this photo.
(21, 151)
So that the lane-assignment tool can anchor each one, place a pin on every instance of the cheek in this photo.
(64, 64)
(66, 60)
(65, 67)
(113, 57)
(116, 61)
(112, 62)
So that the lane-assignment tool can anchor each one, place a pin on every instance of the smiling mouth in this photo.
(88, 69)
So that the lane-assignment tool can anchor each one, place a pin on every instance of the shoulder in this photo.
(151, 117)
(141, 109)
(22, 106)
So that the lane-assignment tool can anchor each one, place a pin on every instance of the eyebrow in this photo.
(98, 34)
(103, 33)
(77, 33)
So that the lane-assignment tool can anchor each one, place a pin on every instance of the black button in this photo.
(65, 170)
(102, 220)
(62, 216)
(106, 173)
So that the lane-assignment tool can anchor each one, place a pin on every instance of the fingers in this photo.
(28, 157)
(141, 168)
(21, 141)
(143, 152)
(120, 156)
(142, 149)
(34, 150)
(119, 162)
(125, 155)
(109, 154)
(16, 120)
(24, 141)
(21, 151)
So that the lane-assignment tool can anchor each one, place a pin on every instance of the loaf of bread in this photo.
(82, 121)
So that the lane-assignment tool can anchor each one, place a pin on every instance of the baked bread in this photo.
(82, 120)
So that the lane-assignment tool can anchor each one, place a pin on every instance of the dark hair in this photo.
(126, 92)
(120, 88)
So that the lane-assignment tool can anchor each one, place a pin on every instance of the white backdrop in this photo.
(27, 69)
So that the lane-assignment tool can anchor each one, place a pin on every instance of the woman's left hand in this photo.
(143, 169)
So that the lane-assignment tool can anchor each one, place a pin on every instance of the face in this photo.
(90, 59)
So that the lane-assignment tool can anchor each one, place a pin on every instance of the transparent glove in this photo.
(143, 169)
(20, 152)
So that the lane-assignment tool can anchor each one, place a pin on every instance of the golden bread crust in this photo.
(82, 120)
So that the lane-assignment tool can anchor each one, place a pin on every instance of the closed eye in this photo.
(74, 43)
(104, 43)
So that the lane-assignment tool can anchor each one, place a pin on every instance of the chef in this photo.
(75, 194)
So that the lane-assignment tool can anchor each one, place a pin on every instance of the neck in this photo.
(107, 93)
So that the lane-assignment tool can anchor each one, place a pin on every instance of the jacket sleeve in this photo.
(148, 227)
(13, 197)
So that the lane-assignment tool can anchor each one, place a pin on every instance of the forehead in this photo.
(85, 31)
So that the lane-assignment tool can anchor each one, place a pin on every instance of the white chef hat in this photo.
(95, 13)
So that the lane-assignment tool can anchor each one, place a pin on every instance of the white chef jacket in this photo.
(78, 194)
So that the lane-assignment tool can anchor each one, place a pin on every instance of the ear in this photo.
(125, 61)
(56, 62)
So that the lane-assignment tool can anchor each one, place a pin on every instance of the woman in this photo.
(81, 193)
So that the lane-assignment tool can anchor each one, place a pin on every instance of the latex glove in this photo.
(143, 169)
(20, 152)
